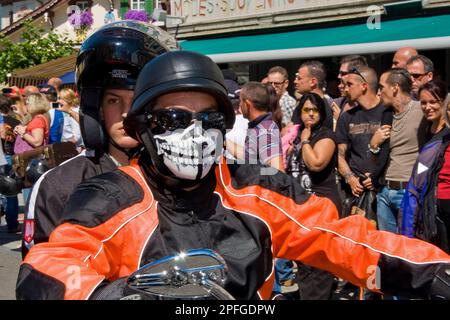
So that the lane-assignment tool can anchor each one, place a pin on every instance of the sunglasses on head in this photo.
(173, 119)
(352, 71)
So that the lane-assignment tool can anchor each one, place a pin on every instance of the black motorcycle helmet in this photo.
(35, 169)
(177, 71)
(112, 57)
(11, 184)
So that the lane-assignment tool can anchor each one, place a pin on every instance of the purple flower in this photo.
(84, 19)
(137, 15)
(74, 19)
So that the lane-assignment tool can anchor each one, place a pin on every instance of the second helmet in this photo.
(112, 57)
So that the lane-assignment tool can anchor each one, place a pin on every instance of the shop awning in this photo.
(38, 74)
(420, 32)
(54, 68)
(68, 77)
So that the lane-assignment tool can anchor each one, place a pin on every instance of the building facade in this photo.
(55, 14)
(253, 35)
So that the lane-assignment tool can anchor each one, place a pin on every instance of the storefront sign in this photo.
(207, 10)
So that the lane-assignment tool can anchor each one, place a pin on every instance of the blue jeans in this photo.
(12, 203)
(283, 271)
(26, 195)
(388, 205)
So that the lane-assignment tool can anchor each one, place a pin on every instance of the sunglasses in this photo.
(308, 110)
(172, 119)
(417, 75)
(273, 83)
(352, 71)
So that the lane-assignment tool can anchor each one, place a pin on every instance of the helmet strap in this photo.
(90, 124)
(124, 150)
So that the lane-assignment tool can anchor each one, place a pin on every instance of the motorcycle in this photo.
(198, 274)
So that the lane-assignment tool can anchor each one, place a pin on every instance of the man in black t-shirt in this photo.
(355, 129)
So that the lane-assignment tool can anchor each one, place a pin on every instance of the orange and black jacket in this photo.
(119, 221)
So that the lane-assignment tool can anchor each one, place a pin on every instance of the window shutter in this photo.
(123, 8)
(149, 8)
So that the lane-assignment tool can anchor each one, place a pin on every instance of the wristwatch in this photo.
(305, 142)
(374, 151)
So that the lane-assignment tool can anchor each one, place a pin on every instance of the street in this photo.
(10, 258)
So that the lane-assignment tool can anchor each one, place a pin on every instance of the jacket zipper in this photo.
(198, 226)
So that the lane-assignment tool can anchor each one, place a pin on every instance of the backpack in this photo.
(56, 126)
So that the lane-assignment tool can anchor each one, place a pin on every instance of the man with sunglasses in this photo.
(106, 74)
(421, 70)
(174, 197)
(342, 103)
(278, 78)
(355, 129)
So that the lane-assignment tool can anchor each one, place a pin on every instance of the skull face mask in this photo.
(190, 153)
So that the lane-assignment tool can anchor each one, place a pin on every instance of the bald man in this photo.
(56, 83)
(402, 56)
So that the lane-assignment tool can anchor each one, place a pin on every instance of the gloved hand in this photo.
(440, 286)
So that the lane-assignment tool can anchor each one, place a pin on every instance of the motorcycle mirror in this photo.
(195, 274)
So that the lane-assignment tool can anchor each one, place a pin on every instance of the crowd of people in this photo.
(33, 117)
(364, 150)
(153, 180)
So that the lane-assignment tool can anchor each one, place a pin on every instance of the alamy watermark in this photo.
(74, 279)
(374, 20)
(373, 282)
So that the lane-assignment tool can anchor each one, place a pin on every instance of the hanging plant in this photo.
(86, 19)
(81, 21)
(137, 15)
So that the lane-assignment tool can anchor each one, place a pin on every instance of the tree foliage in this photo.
(32, 49)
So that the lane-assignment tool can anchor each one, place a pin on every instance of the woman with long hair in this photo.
(275, 107)
(35, 132)
(69, 104)
(312, 159)
(425, 210)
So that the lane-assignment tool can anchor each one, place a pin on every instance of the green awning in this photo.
(421, 32)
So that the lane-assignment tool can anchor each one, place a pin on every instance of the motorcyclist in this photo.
(175, 197)
(107, 67)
